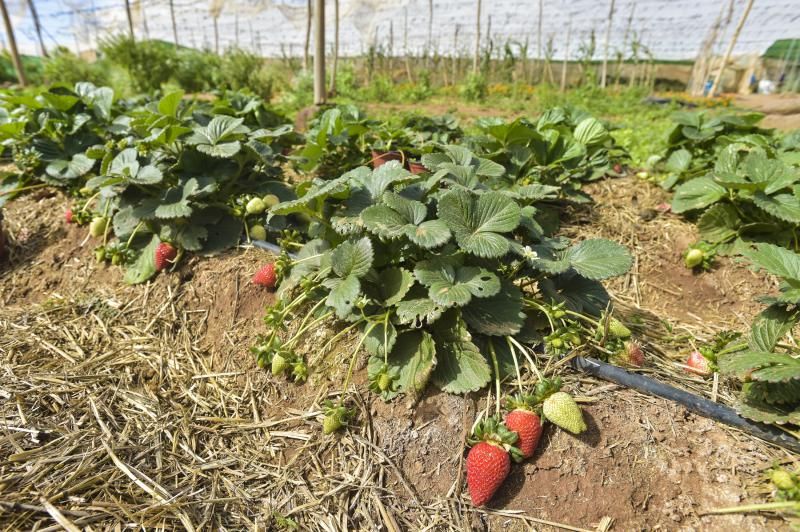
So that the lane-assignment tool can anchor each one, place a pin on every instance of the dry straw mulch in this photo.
(112, 417)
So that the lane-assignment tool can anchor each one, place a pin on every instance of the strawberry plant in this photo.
(336, 139)
(48, 131)
(750, 195)
(697, 139)
(445, 278)
(768, 364)
(562, 148)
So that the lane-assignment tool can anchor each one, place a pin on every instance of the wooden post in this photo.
(306, 60)
(319, 52)
(144, 21)
(455, 53)
(476, 56)
(174, 24)
(236, 29)
(216, 33)
(566, 55)
(37, 25)
(335, 45)
(130, 18)
(604, 72)
(729, 51)
(12, 44)
(405, 45)
(429, 46)
(539, 59)
(697, 79)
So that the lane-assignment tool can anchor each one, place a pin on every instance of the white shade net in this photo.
(668, 29)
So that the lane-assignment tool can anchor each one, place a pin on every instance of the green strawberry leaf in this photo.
(477, 223)
(697, 194)
(450, 285)
(414, 357)
(770, 326)
(598, 259)
(144, 267)
(497, 315)
(353, 258)
(719, 223)
(460, 366)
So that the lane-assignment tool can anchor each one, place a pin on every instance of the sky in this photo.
(665, 29)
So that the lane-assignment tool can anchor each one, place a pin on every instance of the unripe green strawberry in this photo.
(100, 254)
(782, 479)
(98, 226)
(279, 364)
(617, 329)
(270, 200)
(693, 258)
(258, 232)
(255, 206)
(331, 424)
(384, 381)
(561, 409)
(557, 343)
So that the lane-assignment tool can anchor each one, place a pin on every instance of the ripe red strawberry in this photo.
(488, 466)
(698, 364)
(618, 168)
(266, 276)
(165, 255)
(528, 427)
(68, 216)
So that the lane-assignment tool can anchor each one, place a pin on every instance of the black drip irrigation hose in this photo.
(269, 246)
(691, 402)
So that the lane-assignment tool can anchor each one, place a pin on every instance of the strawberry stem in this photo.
(525, 353)
(496, 376)
(130, 238)
(756, 507)
(353, 362)
(516, 363)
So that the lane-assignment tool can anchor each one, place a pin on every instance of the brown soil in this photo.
(627, 210)
(644, 463)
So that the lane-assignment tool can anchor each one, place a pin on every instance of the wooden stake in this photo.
(731, 45)
(335, 45)
(604, 72)
(37, 25)
(174, 24)
(539, 59)
(12, 44)
(429, 46)
(566, 55)
(216, 34)
(476, 57)
(130, 18)
(455, 53)
(319, 52)
(308, 36)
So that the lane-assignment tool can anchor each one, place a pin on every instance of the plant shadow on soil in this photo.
(645, 463)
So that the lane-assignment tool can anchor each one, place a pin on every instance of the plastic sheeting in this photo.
(667, 29)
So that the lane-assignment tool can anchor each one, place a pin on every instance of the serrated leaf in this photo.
(761, 366)
(598, 259)
(343, 294)
(696, 194)
(418, 312)
(454, 286)
(590, 131)
(223, 230)
(223, 150)
(775, 260)
(678, 161)
(477, 223)
(125, 222)
(460, 366)
(380, 337)
(75, 167)
(145, 265)
(764, 412)
(497, 315)
(579, 293)
(394, 284)
(414, 357)
(719, 223)
(769, 327)
(782, 206)
(353, 258)
(170, 103)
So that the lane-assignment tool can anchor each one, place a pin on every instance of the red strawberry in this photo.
(698, 364)
(488, 466)
(618, 168)
(165, 255)
(528, 427)
(68, 216)
(266, 276)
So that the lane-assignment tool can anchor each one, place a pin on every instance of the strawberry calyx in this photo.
(494, 432)
(523, 401)
(545, 388)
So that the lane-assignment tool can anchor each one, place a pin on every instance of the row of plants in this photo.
(740, 183)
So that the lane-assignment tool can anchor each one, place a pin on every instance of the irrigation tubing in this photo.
(690, 401)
